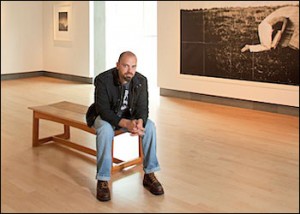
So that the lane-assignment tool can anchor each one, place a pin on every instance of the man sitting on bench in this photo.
(121, 101)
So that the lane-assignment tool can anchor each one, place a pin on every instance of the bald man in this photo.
(121, 102)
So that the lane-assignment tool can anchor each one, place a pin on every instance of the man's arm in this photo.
(284, 24)
(142, 104)
(279, 33)
(102, 102)
(276, 39)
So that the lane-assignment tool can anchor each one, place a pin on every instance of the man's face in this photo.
(126, 67)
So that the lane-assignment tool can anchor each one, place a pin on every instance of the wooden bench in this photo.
(73, 115)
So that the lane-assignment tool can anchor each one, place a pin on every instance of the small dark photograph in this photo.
(63, 21)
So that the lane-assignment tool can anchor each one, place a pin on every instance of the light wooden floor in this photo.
(214, 158)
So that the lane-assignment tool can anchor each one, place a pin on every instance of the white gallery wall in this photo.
(27, 44)
(168, 50)
(67, 57)
(21, 36)
(27, 39)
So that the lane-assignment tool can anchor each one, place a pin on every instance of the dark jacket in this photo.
(108, 98)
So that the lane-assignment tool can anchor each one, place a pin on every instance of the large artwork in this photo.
(244, 43)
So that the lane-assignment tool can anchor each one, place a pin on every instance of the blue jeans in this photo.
(104, 138)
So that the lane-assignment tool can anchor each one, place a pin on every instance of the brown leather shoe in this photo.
(103, 193)
(151, 183)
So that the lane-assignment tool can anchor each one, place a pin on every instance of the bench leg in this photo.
(66, 132)
(141, 148)
(36, 141)
(35, 130)
(121, 164)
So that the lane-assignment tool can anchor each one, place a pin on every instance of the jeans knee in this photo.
(105, 128)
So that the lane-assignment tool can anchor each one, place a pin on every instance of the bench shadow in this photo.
(83, 177)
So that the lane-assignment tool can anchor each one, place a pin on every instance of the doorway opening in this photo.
(132, 25)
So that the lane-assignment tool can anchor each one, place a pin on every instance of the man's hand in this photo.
(130, 125)
(245, 48)
(135, 127)
(140, 127)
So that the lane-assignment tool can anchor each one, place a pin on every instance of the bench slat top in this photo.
(69, 111)
(65, 110)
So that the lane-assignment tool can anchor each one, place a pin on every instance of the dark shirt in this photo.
(124, 109)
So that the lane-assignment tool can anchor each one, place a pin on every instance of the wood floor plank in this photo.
(213, 158)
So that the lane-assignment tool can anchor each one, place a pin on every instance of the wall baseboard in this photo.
(274, 108)
(47, 74)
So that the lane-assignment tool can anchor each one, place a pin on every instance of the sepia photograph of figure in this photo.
(283, 16)
(253, 43)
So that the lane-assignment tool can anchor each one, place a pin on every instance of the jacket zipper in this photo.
(120, 100)
(132, 97)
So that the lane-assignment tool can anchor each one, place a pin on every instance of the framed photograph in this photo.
(62, 22)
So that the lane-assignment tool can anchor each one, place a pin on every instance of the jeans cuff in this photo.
(102, 178)
(147, 171)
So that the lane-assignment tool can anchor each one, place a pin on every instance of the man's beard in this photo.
(127, 77)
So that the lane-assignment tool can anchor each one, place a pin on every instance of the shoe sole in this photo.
(154, 193)
(103, 199)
